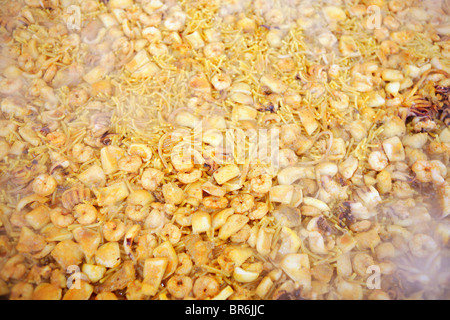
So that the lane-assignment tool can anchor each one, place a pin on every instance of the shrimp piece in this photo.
(130, 163)
(289, 133)
(5, 245)
(184, 264)
(151, 179)
(61, 217)
(214, 49)
(21, 291)
(436, 148)
(145, 246)
(50, 73)
(379, 295)
(172, 232)
(198, 249)
(82, 153)
(246, 24)
(256, 171)
(378, 160)
(362, 261)
(182, 163)
(6, 127)
(422, 245)
(221, 81)
(154, 221)
(172, 193)
(158, 49)
(44, 185)
(167, 208)
(402, 190)
(396, 5)
(138, 205)
(213, 202)
(141, 150)
(242, 203)
(429, 171)
(242, 235)
(190, 177)
(10, 86)
(113, 230)
(261, 184)
(286, 64)
(261, 209)
(183, 216)
(385, 250)
(423, 124)
(14, 268)
(391, 23)
(150, 20)
(341, 102)
(175, 21)
(389, 47)
(205, 287)
(36, 87)
(332, 189)
(106, 295)
(26, 62)
(402, 37)
(287, 158)
(362, 85)
(78, 97)
(85, 213)
(57, 138)
(141, 198)
(179, 286)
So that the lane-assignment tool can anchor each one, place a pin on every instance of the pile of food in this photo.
(224, 149)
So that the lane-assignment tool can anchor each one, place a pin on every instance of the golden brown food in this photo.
(198, 149)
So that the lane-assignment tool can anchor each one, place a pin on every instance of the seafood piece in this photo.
(205, 287)
(75, 195)
(119, 279)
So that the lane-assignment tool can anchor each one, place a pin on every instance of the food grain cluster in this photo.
(107, 190)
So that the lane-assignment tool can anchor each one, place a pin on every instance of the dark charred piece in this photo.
(344, 214)
(430, 108)
(106, 138)
(444, 114)
(270, 107)
(324, 225)
(284, 295)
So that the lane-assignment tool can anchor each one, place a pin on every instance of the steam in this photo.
(105, 51)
